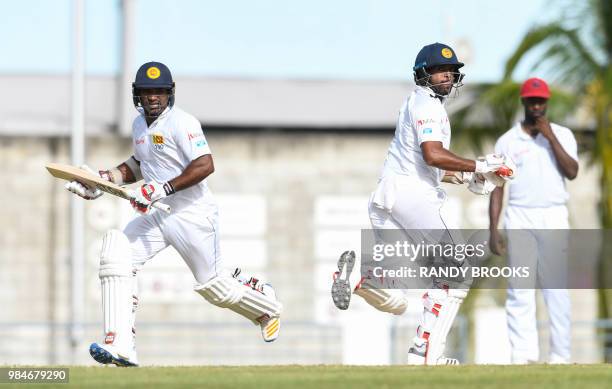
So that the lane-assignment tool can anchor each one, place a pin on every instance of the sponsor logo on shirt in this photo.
(197, 142)
(427, 131)
(158, 141)
(139, 141)
(517, 156)
(420, 122)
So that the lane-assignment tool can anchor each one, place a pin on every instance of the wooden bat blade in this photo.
(71, 173)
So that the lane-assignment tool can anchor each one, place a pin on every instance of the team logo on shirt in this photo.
(196, 139)
(446, 52)
(153, 72)
(158, 141)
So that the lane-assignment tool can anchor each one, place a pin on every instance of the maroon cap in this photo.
(535, 87)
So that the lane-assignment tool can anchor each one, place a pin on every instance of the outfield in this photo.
(320, 377)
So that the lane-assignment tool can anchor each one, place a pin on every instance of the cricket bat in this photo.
(71, 173)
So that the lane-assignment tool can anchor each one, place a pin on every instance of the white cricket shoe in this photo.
(270, 326)
(107, 354)
(341, 287)
(417, 358)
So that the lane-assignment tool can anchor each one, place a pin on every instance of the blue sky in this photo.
(314, 39)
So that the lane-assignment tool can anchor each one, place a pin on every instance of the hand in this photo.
(83, 190)
(457, 178)
(505, 173)
(500, 165)
(480, 185)
(543, 125)
(146, 195)
(496, 243)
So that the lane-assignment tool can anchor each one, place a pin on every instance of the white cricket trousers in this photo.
(527, 248)
(192, 231)
(405, 202)
(409, 205)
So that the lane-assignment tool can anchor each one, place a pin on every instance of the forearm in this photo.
(195, 172)
(125, 173)
(567, 164)
(446, 160)
(495, 206)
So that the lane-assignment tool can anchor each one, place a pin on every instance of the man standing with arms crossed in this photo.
(409, 197)
(546, 155)
(173, 156)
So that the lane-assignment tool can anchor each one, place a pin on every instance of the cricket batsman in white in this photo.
(409, 197)
(172, 155)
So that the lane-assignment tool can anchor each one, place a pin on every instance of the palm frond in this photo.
(603, 14)
(553, 32)
(566, 66)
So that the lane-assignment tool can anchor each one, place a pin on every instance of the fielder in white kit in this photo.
(172, 155)
(547, 154)
(409, 197)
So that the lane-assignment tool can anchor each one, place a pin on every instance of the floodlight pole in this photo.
(126, 107)
(77, 147)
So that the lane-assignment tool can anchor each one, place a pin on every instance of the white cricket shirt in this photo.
(422, 118)
(539, 182)
(166, 148)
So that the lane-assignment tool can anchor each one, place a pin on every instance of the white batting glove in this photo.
(82, 190)
(149, 193)
(500, 165)
(481, 185)
(457, 178)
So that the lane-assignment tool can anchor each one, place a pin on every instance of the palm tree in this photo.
(576, 51)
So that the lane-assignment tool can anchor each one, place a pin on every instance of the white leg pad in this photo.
(440, 309)
(385, 300)
(117, 291)
(228, 292)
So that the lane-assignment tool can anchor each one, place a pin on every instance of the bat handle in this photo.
(161, 206)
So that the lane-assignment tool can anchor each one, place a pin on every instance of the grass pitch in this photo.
(320, 377)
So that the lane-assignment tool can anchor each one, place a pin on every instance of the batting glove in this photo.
(149, 193)
(480, 185)
(500, 165)
(457, 178)
(82, 190)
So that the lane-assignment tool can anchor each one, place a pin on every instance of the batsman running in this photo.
(409, 197)
(173, 157)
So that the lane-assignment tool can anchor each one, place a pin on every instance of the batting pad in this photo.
(227, 292)
(441, 307)
(385, 300)
(117, 290)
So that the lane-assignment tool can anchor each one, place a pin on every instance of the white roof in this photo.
(40, 105)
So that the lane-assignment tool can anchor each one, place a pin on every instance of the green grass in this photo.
(320, 377)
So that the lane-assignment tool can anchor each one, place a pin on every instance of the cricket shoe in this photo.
(417, 358)
(106, 354)
(341, 287)
(270, 326)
